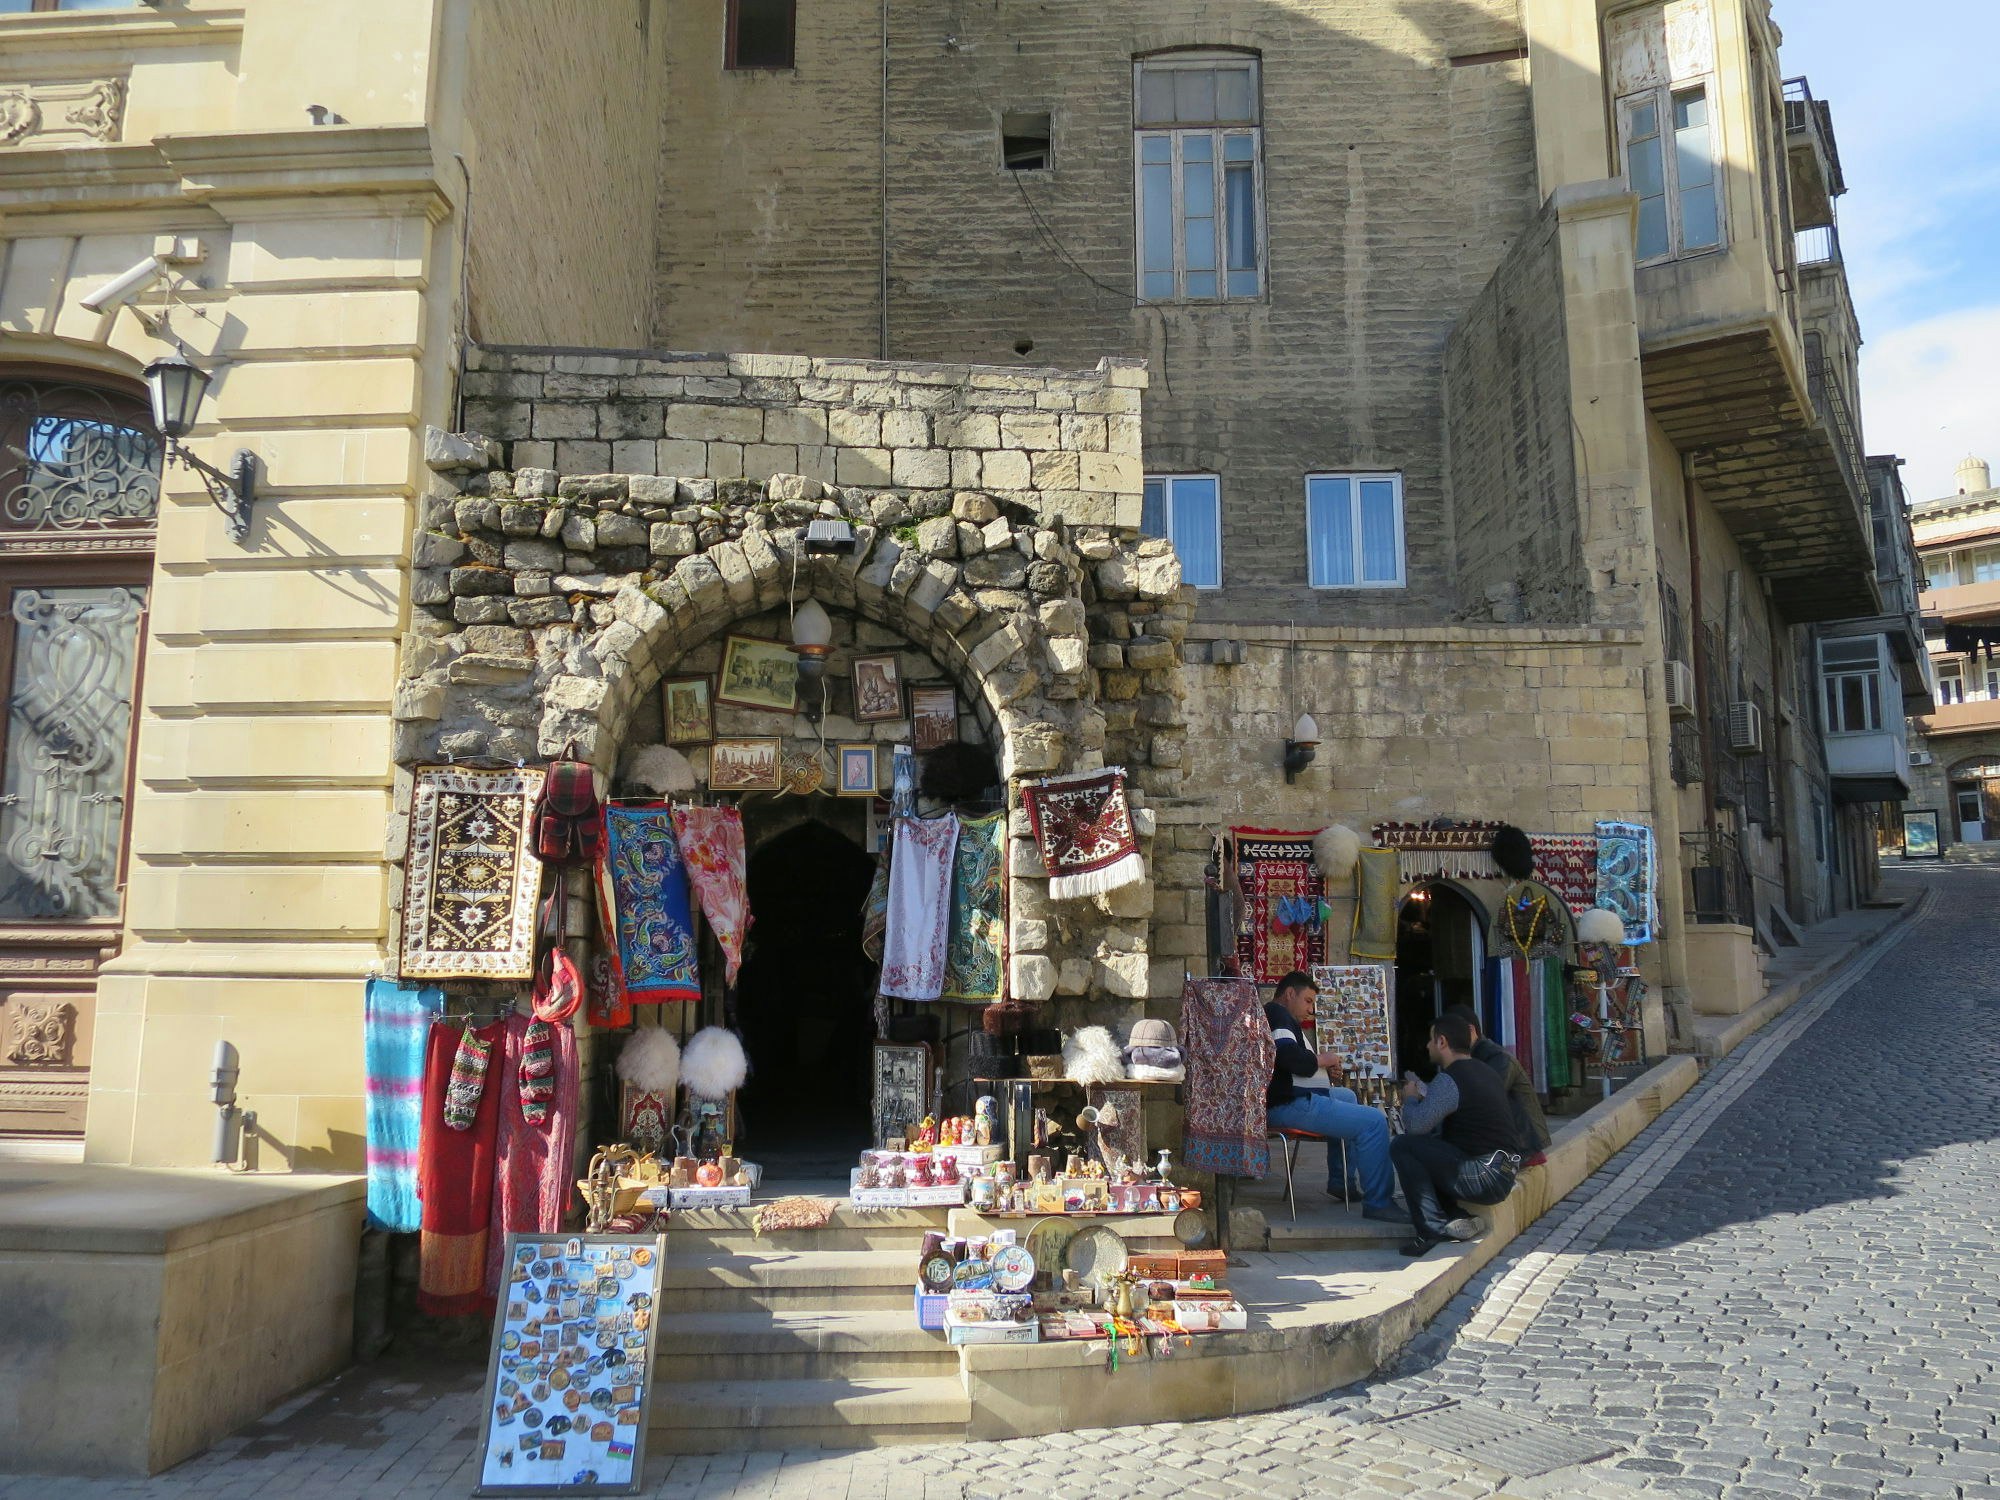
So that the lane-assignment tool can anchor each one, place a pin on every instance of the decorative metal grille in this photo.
(69, 724)
(73, 459)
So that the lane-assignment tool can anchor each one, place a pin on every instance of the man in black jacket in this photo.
(1302, 1096)
(1530, 1124)
(1459, 1144)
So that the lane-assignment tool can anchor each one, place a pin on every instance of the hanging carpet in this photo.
(469, 878)
(1567, 864)
(1628, 878)
(642, 896)
(875, 910)
(1281, 928)
(395, 1025)
(712, 845)
(1432, 851)
(1378, 886)
(918, 938)
(1230, 1054)
(455, 1181)
(973, 953)
(1083, 827)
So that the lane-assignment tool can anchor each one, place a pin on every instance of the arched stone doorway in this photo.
(1440, 953)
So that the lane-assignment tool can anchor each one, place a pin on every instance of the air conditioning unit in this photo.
(1680, 690)
(1746, 729)
(1920, 757)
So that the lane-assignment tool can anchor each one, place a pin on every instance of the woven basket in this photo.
(1045, 1067)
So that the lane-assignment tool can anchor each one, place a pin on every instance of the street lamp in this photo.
(176, 387)
(1301, 747)
(812, 643)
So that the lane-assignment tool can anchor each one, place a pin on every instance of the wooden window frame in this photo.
(731, 24)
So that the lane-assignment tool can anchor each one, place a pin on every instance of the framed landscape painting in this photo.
(878, 688)
(759, 674)
(933, 716)
(688, 710)
(744, 765)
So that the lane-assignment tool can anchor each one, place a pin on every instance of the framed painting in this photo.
(751, 764)
(902, 1088)
(857, 770)
(878, 688)
(1920, 834)
(757, 673)
(933, 715)
(687, 709)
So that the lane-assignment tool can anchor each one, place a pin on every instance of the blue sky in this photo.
(1917, 114)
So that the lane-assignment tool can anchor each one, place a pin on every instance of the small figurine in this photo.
(927, 1134)
(947, 1172)
(1160, 1170)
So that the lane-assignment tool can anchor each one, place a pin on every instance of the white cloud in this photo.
(1931, 393)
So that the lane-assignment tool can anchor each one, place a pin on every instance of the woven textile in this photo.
(395, 1021)
(1378, 884)
(712, 845)
(972, 965)
(1628, 878)
(1230, 1055)
(1426, 851)
(455, 1183)
(1125, 1139)
(875, 910)
(642, 894)
(534, 1170)
(1567, 864)
(1280, 881)
(919, 933)
(1083, 828)
(469, 878)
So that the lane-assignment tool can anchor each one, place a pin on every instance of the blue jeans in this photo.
(1337, 1115)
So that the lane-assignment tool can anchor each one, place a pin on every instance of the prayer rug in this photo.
(783, 1215)
(919, 932)
(1628, 878)
(1282, 928)
(1230, 1054)
(395, 1023)
(712, 845)
(455, 1182)
(973, 962)
(1378, 885)
(642, 894)
(1083, 827)
(1567, 864)
(1428, 851)
(470, 880)
(534, 1168)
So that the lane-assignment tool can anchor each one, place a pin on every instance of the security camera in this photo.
(122, 288)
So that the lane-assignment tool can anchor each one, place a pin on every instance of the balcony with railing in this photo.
(1812, 156)
(1976, 714)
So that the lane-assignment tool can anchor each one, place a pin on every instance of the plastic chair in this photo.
(1288, 1144)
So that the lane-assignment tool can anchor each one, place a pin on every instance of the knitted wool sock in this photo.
(468, 1080)
(538, 1072)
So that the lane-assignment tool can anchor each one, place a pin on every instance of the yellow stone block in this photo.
(374, 529)
(308, 901)
(291, 825)
(270, 603)
(347, 749)
(311, 253)
(336, 675)
(315, 390)
(330, 323)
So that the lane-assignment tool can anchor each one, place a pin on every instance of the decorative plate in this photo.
(803, 772)
(1192, 1229)
(1049, 1239)
(1096, 1255)
(1013, 1269)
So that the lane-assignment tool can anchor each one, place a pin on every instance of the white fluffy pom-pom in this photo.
(1336, 851)
(1091, 1056)
(1601, 927)
(713, 1064)
(659, 768)
(651, 1060)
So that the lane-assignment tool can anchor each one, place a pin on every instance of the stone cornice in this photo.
(116, 32)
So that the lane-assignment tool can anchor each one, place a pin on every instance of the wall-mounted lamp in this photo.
(812, 643)
(177, 386)
(1301, 747)
(230, 1121)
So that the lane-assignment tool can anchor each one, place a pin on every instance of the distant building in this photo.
(1957, 748)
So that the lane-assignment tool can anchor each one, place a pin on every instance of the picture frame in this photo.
(878, 688)
(687, 710)
(857, 770)
(757, 673)
(745, 763)
(933, 715)
(902, 1087)
(1920, 834)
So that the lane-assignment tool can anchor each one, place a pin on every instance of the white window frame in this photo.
(1218, 135)
(1170, 482)
(1661, 98)
(1356, 477)
(1955, 675)
(1876, 677)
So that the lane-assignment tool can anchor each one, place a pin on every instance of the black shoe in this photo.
(1422, 1245)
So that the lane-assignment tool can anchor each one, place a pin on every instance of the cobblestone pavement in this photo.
(1786, 1287)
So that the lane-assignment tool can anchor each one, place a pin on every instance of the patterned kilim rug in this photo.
(470, 880)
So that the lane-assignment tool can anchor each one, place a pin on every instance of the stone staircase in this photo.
(798, 1340)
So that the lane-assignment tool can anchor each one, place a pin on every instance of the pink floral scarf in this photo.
(711, 840)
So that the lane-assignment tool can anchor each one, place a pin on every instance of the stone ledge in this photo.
(89, 1209)
(1497, 636)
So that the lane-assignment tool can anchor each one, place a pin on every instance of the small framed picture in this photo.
(878, 689)
(1920, 834)
(758, 673)
(687, 709)
(857, 770)
(933, 715)
(744, 764)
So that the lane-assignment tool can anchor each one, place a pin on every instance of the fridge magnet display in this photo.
(570, 1376)
(1351, 1017)
(744, 765)
(688, 710)
(878, 688)
(857, 770)
(933, 716)
(759, 674)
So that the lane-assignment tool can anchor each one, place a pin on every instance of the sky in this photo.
(1916, 112)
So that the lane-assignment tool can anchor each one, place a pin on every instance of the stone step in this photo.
(848, 1229)
(739, 1280)
(1340, 1232)
(720, 1416)
(799, 1344)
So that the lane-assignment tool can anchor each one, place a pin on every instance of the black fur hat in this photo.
(1513, 853)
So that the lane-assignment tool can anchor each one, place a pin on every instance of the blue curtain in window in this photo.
(1196, 527)
(1380, 562)
(1330, 531)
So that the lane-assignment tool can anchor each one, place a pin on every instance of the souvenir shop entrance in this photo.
(804, 1000)
(1440, 951)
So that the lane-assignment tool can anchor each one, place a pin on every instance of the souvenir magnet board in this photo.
(1351, 1017)
(570, 1379)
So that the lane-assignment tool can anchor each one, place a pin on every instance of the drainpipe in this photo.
(1698, 642)
(882, 147)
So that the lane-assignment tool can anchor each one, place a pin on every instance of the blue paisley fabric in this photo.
(644, 887)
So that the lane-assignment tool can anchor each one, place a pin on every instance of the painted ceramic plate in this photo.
(1013, 1269)
(1047, 1241)
(1096, 1255)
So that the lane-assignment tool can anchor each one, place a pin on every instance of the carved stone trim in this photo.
(85, 109)
(40, 1033)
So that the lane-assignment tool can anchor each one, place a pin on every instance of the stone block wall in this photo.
(1066, 444)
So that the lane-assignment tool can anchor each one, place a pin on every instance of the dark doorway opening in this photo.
(805, 1001)
(1439, 952)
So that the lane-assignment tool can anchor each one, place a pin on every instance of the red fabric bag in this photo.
(568, 822)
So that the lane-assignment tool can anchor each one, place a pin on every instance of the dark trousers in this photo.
(1437, 1177)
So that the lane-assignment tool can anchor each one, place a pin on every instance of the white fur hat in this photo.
(1091, 1056)
(713, 1064)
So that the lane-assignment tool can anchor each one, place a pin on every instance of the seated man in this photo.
(1531, 1126)
(1316, 1107)
(1459, 1144)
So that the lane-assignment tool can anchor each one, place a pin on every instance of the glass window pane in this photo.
(1700, 228)
(1330, 532)
(15, 7)
(1692, 160)
(68, 726)
(1158, 286)
(1153, 509)
(1196, 520)
(1198, 148)
(1156, 96)
(1691, 109)
(1202, 284)
(1233, 94)
(1381, 559)
(1156, 211)
(1156, 150)
(1652, 228)
(1200, 246)
(1240, 195)
(1194, 95)
(1644, 167)
(78, 472)
(1242, 283)
(1239, 148)
(1645, 119)
(1833, 703)
(1853, 704)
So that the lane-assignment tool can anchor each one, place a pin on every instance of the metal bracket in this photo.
(233, 493)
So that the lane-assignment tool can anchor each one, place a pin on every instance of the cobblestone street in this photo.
(1783, 1288)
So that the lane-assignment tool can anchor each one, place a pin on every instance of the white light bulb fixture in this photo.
(812, 630)
(812, 643)
(176, 387)
(1301, 747)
